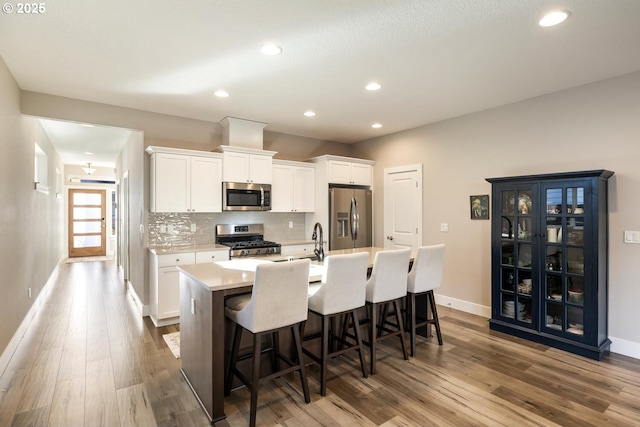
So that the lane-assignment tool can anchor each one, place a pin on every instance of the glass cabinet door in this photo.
(563, 283)
(516, 255)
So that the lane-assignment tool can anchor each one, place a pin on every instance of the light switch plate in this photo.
(193, 227)
(632, 237)
(444, 226)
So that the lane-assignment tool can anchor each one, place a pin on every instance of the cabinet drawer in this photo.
(183, 258)
(212, 256)
(301, 250)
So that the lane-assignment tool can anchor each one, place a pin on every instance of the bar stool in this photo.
(278, 301)
(341, 292)
(424, 277)
(387, 284)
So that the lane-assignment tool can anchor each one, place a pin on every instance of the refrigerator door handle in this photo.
(355, 219)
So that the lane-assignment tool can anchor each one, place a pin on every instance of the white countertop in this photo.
(239, 272)
(188, 248)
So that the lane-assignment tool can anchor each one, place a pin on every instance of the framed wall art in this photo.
(479, 206)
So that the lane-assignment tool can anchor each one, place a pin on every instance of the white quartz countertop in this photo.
(239, 272)
(190, 248)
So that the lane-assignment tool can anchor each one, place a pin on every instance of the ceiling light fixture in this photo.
(554, 18)
(89, 170)
(221, 93)
(271, 49)
(376, 125)
(373, 86)
(310, 113)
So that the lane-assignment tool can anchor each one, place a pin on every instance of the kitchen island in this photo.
(204, 338)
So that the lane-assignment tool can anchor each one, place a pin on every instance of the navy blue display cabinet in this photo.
(549, 250)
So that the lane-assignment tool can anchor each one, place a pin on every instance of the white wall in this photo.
(596, 126)
(30, 222)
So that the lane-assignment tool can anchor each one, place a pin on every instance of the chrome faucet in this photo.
(318, 250)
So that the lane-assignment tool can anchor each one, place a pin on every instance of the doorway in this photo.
(87, 223)
(403, 207)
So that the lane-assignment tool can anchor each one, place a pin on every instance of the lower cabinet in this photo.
(165, 282)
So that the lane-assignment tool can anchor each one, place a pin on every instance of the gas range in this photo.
(245, 240)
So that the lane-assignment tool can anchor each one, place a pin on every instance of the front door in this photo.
(87, 227)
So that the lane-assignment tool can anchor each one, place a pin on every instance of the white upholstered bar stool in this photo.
(387, 284)
(341, 292)
(277, 301)
(424, 277)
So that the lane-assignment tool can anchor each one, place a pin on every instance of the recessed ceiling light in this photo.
(373, 86)
(309, 113)
(271, 49)
(554, 18)
(221, 93)
(87, 125)
(88, 153)
(376, 125)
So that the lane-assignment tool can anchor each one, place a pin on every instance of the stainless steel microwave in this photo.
(237, 196)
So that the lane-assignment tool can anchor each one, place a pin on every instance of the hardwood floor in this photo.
(89, 359)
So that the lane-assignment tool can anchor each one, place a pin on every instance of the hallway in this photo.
(88, 358)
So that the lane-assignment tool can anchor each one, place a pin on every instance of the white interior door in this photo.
(403, 207)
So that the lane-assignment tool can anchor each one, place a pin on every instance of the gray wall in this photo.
(595, 126)
(31, 223)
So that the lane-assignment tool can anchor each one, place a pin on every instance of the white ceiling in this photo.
(435, 59)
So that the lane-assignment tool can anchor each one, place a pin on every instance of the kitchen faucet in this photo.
(318, 250)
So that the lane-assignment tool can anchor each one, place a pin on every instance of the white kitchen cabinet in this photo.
(181, 182)
(344, 172)
(165, 286)
(293, 187)
(165, 281)
(246, 165)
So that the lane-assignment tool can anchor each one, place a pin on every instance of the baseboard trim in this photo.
(625, 347)
(618, 345)
(466, 306)
(8, 352)
(144, 310)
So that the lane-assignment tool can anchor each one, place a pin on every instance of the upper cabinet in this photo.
(346, 170)
(246, 165)
(183, 182)
(293, 187)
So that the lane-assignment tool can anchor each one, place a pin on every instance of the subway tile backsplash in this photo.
(168, 230)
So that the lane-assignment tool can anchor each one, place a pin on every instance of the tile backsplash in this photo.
(176, 229)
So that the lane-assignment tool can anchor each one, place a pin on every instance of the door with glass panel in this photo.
(87, 226)
(518, 254)
(565, 284)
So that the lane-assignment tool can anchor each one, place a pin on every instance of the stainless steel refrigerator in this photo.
(350, 217)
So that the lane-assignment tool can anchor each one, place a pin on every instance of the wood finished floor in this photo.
(88, 359)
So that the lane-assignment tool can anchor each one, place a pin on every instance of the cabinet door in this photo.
(260, 169)
(517, 274)
(168, 292)
(235, 167)
(171, 183)
(282, 189)
(360, 174)
(206, 184)
(339, 172)
(565, 286)
(304, 189)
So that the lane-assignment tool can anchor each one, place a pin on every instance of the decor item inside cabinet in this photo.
(549, 259)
